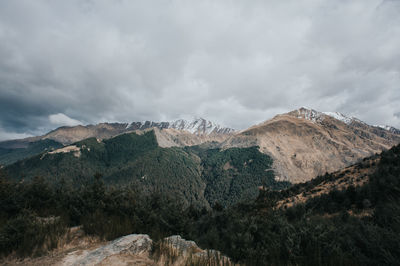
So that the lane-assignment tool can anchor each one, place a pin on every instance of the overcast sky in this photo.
(234, 62)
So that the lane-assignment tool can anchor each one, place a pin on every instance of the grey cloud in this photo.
(237, 63)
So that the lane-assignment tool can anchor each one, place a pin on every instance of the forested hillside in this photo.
(11, 155)
(197, 175)
(355, 225)
(235, 174)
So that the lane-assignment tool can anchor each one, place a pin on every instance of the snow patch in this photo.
(389, 128)
(315, 116)
(339, 116)
(198, 126)
(309, 114)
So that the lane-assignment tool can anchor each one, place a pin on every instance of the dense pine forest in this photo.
(326, 230)
(12, 155)
(196, 175)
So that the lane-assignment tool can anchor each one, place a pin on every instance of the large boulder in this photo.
(137, 249)
(134, 246)
(181, 245)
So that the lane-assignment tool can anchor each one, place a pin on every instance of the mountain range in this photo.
(303, 143)
(232, 191)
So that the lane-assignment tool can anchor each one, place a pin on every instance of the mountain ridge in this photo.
(70, 134)
(304, 143)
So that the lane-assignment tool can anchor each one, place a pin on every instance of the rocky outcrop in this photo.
(181, 246)
(137, 249)
(132, 248)
(175, 250)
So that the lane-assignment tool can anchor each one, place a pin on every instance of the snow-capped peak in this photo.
(389, 128)
(315, 116)
(340, 117)
(199, 126)
(383, 127)
(308, 114)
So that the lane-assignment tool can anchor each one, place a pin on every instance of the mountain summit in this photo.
(315, 116)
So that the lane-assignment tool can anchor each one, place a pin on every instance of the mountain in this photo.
(305, 143)
(12, 154)
(198, 127)
(197, 175)
(67, 135)
(178, 133)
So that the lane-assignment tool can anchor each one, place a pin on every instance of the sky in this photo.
(237, 63)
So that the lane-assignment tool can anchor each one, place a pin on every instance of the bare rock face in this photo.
(182, 245)
(135, 247)
(177, 251)
(179, 138)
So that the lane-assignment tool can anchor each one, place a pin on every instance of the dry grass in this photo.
(73, 240)
(351, 176)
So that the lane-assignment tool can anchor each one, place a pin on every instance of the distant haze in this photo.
(233, 62)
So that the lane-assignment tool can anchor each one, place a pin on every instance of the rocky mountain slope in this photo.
(389, 128)
(305, 143)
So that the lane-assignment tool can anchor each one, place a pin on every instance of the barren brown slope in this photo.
(68, 135)
(354, 175)
(304, 146)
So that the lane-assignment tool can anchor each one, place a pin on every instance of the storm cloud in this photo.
(233, 62)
